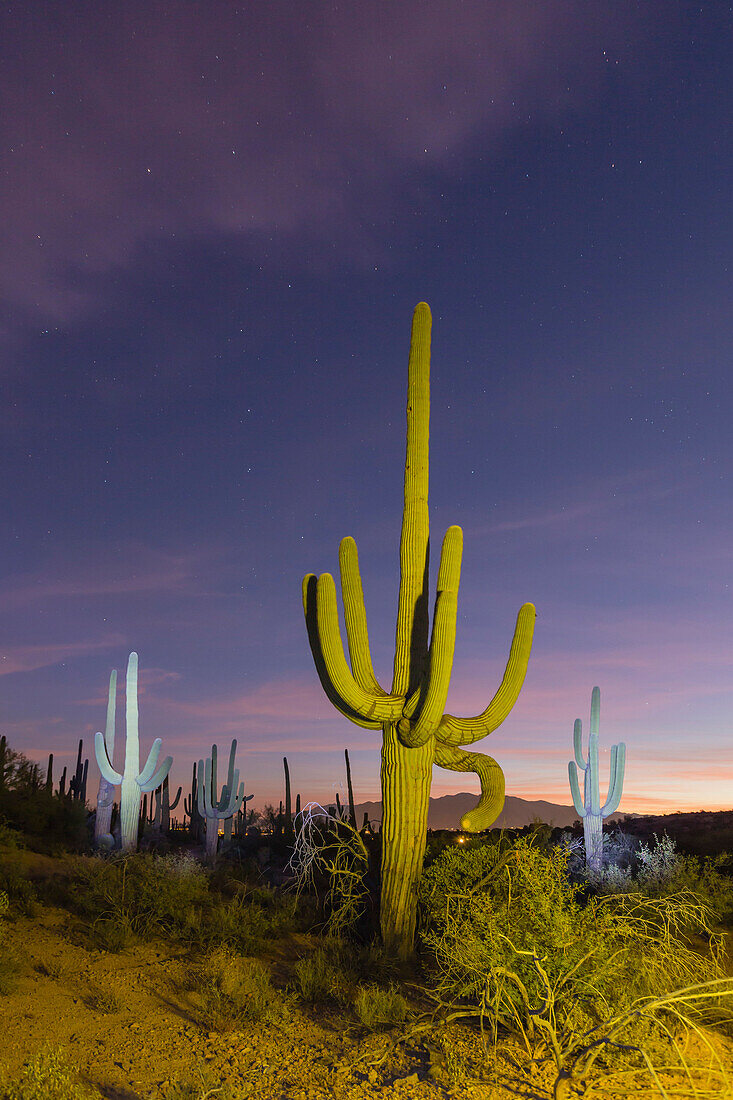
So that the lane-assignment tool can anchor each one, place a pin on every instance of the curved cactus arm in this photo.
(575, 788)
(464, 731)
(204, 791)
(414, 732)
(491, 802)
(616, 782)
(172, 805)
(355, 618)
(311, 621)
(578, 744)
(156, 779)
(373, 707)
(229, 807)
(232, 776)
(150, 764)
(109, 729)
(103, 763)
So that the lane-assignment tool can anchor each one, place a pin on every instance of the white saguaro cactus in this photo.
(133, 781)
(589, 807)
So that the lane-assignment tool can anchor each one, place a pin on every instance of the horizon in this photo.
(217, 228)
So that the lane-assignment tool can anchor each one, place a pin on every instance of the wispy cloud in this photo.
(28, 658)
(129, 569)
(256, 121)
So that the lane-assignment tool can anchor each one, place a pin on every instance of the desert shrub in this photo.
(503, 928)
(10, 837)
(657, 869)
(330, 859)
(104, 1001)
(140, 895)
(236, 990)
(378, 1008)
(21, 892)
(9, 963)
(48, 1076)
(322, 976)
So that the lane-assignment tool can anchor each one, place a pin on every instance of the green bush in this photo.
(503, 928)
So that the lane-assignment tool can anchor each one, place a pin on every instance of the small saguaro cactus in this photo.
(190, 807)
(133, 781)
(232, 794)
(589, 807)
(106, 792)
(167, 805)
(416, 733)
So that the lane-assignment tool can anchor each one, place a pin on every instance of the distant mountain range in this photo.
(446, 812)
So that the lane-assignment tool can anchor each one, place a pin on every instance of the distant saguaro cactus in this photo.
(213, 808)
(133, 781)
(416, 733)
(589, 807)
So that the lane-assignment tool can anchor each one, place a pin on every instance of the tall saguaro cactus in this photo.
(106, 791)
(133, 781)
(416, 733)
(589, 807)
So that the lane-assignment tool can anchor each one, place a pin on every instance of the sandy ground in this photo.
(138, 1048)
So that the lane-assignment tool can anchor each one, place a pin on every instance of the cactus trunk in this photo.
(406, 775)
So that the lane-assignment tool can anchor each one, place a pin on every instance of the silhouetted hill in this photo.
(446, 812)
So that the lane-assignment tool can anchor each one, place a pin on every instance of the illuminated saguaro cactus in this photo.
(416, 733)
(106, 792)
(133, 782)
(213, 808)
(589, 807)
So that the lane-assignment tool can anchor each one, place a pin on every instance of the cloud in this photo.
(258, 121)
(28, 658)
(127, 569)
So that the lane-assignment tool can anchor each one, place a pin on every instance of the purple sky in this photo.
(217, 220)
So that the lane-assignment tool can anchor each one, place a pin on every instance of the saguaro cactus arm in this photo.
(616, 782)
(464, 731)
(575, 788)
(103, 763)
(310, 584)
(355, 618)
(374, 706)
(149, 779)
(491, 802)
(424, 710)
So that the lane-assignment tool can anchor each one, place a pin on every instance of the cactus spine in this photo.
(415, 731)
(212, 808)
(589, 807)
(133, 781)
(106, 792)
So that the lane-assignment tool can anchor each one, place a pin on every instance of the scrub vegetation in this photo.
(529, 970)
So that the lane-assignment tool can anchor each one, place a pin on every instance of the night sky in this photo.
(216, 221)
